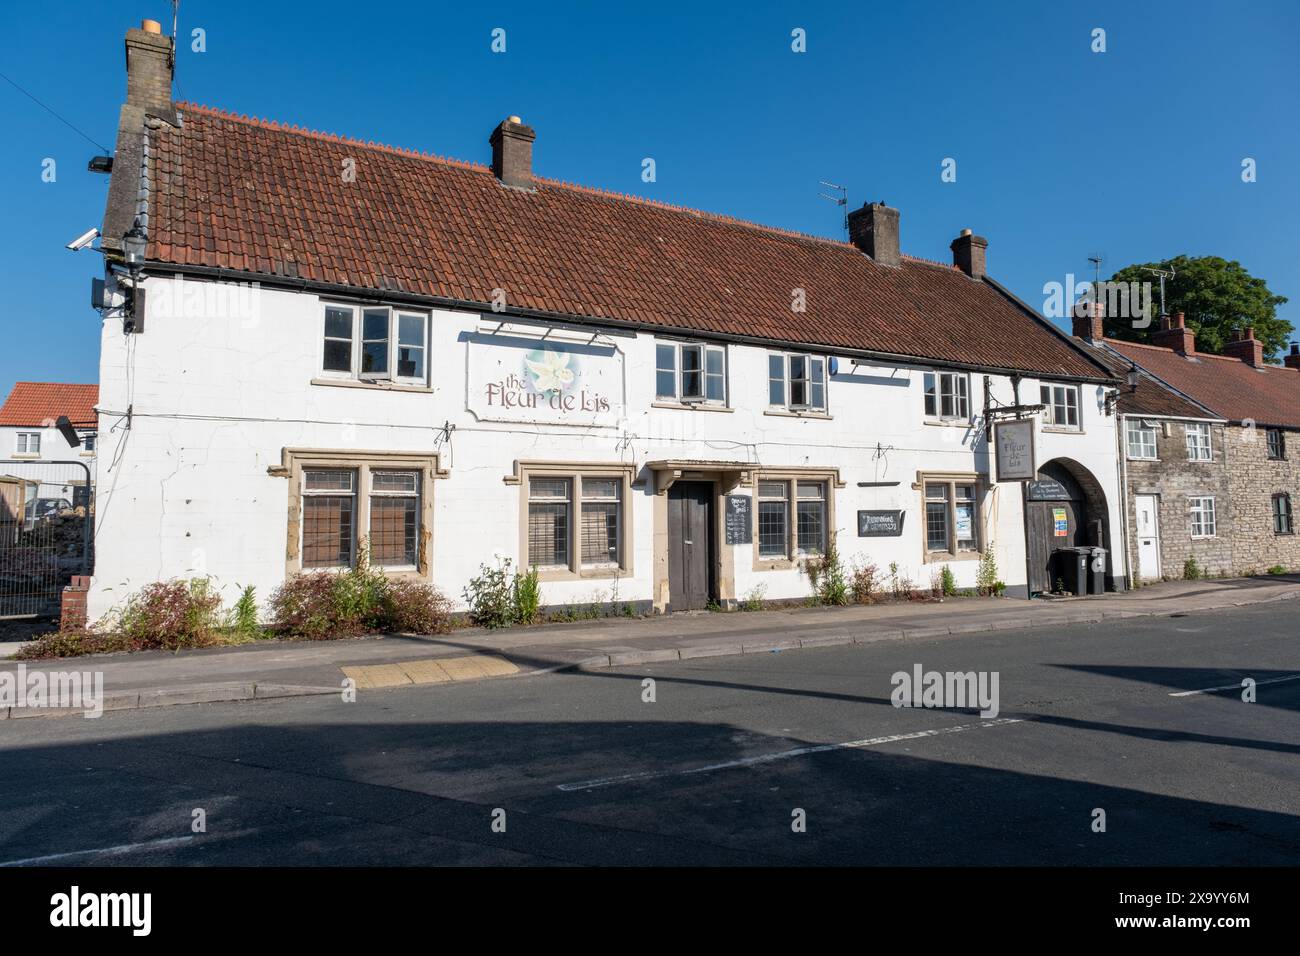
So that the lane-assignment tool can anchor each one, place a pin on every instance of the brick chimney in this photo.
(149, 67)
(512, 152)
(874, 230)
(1246, 347)
(1088, 319)
(1174, 334)
(968, 254)
(1293, 360)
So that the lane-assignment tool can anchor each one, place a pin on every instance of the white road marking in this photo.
(124, 848)
(1237, 686)
(784, 755)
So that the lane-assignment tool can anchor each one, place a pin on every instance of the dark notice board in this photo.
(880, 524)
(740, 522)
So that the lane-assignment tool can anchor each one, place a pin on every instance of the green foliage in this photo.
(169, 615)
(948, 582)
(526, 597)
(490, 596)
(754, 599)
(243, 617)
(1277, 569)
(863, 584)
(323, 605)
(986, 578)
(826, 574)
(1192, 570)
(1217, 295)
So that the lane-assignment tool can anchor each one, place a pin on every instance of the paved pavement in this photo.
(713, 763)
(275, 669)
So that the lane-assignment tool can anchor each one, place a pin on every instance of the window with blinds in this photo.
(329, 498)
(548, 522)
(773, 509)
(601, 506)
(394, 517)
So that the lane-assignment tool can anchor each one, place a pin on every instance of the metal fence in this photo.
(47, 511)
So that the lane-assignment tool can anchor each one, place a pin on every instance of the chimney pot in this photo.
(1246, 347)
(1089, 316)
(969, 253)
(874, 230)
(512, 152)
(1174, 334)
(149, 69)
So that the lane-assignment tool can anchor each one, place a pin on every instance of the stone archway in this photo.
(1064, 507)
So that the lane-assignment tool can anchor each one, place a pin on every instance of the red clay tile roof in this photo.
(39, 403)
(253, 196)
(1225, 385)
(1150, 397)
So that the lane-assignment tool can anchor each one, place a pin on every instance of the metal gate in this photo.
(47, 509)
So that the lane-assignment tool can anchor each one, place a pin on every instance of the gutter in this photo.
(380, 296)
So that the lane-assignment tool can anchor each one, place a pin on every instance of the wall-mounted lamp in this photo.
(1132, 377)
(133, 247)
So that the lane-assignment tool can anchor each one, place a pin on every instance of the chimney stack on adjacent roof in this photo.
(149, 67)
(1174, 334)
(512, 152)
(1088, 316)
(1293, 360)
(968, 254)
(874, 230)
(1246, 347)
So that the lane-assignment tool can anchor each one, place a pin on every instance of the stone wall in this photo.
(1175, 480)
(1253, 479)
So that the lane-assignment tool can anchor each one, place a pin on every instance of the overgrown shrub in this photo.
(1277, 569)
(754, 598)
(243, 622)
(526, 596)
(72, 643)
(948, 582)
(862, 586)
(170, 615)
(1192, 570)
(986, 578)
(490, 596)
(413, 607)
(303, 606)
(834, 589)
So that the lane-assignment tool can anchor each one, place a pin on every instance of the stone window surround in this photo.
(952, 478)
(831, 476)
(575, 470)
(294, 460)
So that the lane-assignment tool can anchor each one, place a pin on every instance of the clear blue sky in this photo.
(1061, 152)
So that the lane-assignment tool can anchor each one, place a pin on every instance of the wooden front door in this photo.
(691, 545)
(1045, 536)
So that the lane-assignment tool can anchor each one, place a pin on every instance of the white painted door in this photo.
(1148, 536)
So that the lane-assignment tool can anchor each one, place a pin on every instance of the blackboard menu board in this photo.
(880, 524)
(739, 520)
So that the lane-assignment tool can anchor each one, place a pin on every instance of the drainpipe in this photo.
(1121, 449)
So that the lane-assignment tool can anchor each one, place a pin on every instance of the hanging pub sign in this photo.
(880, 524)
(1014, 442)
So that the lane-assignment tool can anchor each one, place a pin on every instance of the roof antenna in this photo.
(176, 13)
(841, 200)
(1163, 274)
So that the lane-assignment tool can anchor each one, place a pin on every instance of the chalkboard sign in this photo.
(739, 521)
(1048, 489)
(880, 524)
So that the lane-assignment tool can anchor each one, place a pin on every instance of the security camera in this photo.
(83, 240)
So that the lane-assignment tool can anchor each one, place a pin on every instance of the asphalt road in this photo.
(716, 768)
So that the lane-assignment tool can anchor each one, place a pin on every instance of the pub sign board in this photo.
(880, 524)
(1014, 442)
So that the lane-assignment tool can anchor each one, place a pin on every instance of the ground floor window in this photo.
(793, 517)
(1202, 517)
(1282, 514)
(575, 521)
(952, 517)
(346, 507)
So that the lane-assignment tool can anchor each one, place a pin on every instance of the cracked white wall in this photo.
(217, 393)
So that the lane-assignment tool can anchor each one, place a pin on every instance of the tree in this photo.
(1216, 295)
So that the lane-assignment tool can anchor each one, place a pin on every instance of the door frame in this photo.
(1160, 558)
